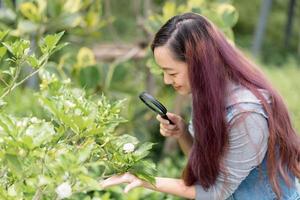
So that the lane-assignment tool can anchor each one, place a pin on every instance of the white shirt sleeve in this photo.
(248, 140)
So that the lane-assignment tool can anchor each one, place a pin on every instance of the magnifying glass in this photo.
(155, 105)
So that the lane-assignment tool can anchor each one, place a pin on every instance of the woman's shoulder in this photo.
(241, 100)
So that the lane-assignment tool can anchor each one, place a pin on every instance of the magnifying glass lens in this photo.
(155, 105)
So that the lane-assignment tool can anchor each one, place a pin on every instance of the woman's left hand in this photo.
(132, 181)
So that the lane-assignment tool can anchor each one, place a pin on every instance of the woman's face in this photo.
(175, 72)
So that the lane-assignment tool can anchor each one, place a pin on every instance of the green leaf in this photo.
(49, 43)
(40, 133)
(14, 163)
(85, 152)
(2, 52)
(90, 183)
(228, 14)
(89, 77)
(30, 10)
(33, 61)
(3, 34)
(60, 46)
(143, 150)
(2, 104)
(11, 71)
(18, 48)
(8, 47)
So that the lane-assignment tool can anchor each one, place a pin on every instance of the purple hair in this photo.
(212, 61)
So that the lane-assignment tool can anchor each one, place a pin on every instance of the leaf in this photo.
(2, 52)
(30, 10)
(92, 19)
(40, 133)
(89, 77)
(8, 47)
(2, 104)
(33, 61)
(3, 34)
(145, 170)
(143, 150)
(49, 43)
(60, 46)
(18, 48)
(85, 152)
(72, 6)
(11, 71)
(90, 183)
(14, 163)
(228, 14)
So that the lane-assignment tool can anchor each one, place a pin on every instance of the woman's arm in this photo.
(185, 142)
(178, 130)
(165, 185)
(172, 186)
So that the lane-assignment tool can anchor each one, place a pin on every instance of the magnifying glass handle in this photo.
(166, 117)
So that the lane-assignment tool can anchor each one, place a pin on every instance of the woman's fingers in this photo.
(117, 179)
(164, 133)
(132, 185)
(162, 120)
(167, 133)
(125, 178)
(114, 180)
(168, 127)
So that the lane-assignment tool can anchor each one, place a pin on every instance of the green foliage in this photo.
(221, 13)
(77, 146)
(39, 16)
(20, 55)
(273, 50)
(286, 79)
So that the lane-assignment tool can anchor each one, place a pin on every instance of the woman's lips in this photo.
(177, 87)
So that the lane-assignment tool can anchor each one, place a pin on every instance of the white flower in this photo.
(34, 120)
(77, 112)
(21, 123)
(128, 147)
(67, 81)
(64, 190)
(42, 181)
(69, 104)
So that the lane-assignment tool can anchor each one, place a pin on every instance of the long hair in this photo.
(212, 61)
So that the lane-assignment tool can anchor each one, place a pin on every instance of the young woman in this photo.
(240, 143)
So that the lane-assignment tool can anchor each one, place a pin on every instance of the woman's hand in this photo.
(175, 130)
(166, 185)
(132, 181)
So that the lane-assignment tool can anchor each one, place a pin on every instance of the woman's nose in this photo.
(167, 80)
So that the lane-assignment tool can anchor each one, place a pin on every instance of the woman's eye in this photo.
(173, 74)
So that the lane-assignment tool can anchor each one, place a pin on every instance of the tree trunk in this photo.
(289, 24)
(260, 29)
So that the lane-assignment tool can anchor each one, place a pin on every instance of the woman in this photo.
(240, 143)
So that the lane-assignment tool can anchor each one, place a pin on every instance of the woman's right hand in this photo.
(175, 130)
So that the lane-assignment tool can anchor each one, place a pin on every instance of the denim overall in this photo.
(257, 186)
